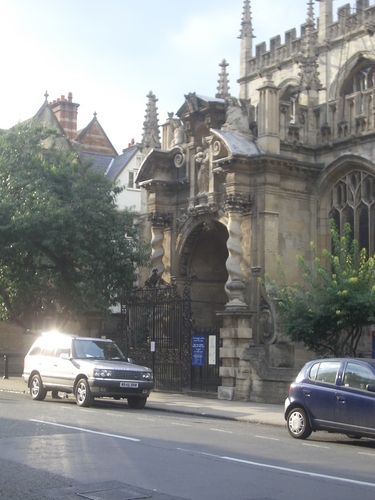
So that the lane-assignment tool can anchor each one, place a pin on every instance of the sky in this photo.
(111, 53)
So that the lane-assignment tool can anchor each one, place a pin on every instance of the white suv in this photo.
(86, 367)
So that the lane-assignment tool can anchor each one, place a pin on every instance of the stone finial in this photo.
(151, 134)
(46, 95)
(309, 79)
(223, 87)
(246, 37)
(246, 24)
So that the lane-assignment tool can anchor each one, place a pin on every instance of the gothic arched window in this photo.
(353, 201)
(291, 97)
(362, 79)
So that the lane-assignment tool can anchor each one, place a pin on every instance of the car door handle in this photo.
(306, 392)
(340, 399)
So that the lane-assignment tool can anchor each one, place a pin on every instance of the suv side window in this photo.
(35, 351)
(61, 350)
(357, 376)
(48, 351)
(327, 371)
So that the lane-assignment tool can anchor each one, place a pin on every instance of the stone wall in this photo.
(263, 382)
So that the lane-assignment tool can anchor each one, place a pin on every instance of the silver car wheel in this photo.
(83, 393)
(298, 424)
(37, 391)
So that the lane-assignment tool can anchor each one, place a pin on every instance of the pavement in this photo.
(188, 404)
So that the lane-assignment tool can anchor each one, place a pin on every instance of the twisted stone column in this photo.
(158, 222)
(234, 286)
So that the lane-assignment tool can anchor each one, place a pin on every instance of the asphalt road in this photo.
(54, 449)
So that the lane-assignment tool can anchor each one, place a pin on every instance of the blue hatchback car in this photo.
(335, 395)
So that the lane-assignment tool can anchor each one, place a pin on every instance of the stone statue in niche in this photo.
(202, 159)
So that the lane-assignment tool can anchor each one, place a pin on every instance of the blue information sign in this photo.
(198, 347)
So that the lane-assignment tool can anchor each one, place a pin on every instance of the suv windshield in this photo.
(84, 349)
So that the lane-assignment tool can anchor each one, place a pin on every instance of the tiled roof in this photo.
(101, 162)
(119, 162)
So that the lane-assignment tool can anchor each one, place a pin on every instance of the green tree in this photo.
(328, 313)
(64, 247)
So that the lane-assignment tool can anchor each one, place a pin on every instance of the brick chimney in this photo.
(66, 112)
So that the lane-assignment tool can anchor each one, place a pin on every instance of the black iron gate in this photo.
(158, 332)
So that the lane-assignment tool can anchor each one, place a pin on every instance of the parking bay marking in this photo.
(85, 430)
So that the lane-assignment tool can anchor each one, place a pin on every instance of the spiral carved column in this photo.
(234, 286)
(236, 333)
(158, 222)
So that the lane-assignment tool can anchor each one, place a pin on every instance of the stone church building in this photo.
(236, 181)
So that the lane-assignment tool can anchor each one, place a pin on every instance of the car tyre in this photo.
(83, 393)
(136, 402)
(298, 423)
(37, 391)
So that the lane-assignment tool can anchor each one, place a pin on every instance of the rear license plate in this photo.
(128, 384)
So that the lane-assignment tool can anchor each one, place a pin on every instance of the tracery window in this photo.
(357, 92)
(291, 96)
(362, 79)
(353, 201)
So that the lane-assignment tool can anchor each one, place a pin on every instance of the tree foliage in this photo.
(328, 313)
(64, 247)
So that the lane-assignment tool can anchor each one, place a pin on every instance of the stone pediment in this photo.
(160, 166)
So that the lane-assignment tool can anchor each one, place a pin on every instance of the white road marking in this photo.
(283, 469)
(84, 430)
(221, 430)
(316, 445)
(181, 425)
(363, 453)
(266, 437)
